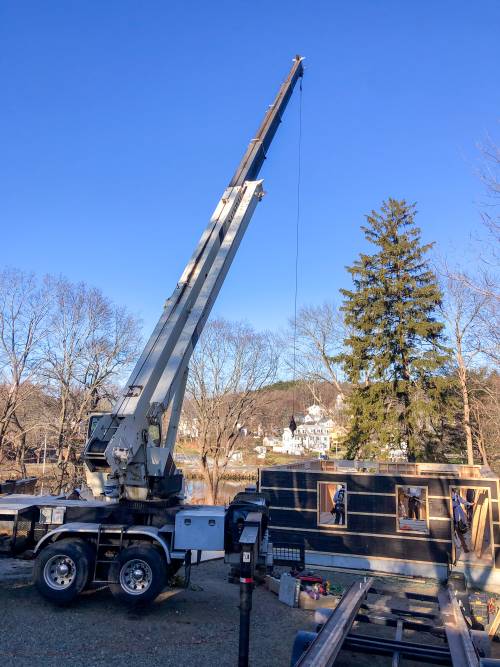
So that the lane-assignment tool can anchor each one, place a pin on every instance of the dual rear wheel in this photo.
(137, 576)
(63, 569)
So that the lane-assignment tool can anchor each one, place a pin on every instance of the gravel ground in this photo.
(195, 627)
(192, 628)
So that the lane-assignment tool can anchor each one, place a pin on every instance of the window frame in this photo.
(319, 510)
(427, 514)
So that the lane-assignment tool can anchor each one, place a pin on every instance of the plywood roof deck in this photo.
(385, 468)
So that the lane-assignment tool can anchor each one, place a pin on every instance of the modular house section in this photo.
(419, 519)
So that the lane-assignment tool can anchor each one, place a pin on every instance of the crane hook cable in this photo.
(293, 425)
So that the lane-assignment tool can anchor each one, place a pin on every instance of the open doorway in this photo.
(471, 511)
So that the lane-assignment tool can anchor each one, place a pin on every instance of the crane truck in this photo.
(136, 531)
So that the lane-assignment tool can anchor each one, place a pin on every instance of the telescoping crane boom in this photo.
(136, 532)
(126, 456)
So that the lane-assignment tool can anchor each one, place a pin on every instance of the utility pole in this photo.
(44, 459)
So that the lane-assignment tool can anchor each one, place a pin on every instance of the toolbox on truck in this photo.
(200, 527)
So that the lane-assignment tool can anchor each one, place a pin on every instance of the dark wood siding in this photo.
(357, 503)
(356, 523)
(369, 483)
(298, 499)
(372, 504)
(439, 507)
(363, 545)
(369, 498)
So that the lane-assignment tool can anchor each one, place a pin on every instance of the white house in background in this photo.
(290, 444)
(315, 434)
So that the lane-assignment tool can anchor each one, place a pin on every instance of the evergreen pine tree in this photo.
(394, 346)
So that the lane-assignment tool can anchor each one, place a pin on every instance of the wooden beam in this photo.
(494, 624)
(324, 649)
(479, 523)
(463, 653)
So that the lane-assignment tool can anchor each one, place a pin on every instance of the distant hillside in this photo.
(284, 398)
(278, 402)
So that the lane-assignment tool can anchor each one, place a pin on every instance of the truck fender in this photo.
(92, 529)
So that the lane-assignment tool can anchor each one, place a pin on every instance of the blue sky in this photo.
(121, 123)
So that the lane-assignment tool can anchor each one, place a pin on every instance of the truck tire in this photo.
(62, 570)
(138, 575)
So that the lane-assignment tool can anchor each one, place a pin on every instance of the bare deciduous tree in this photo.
(484, 279)
(463, 309)
(485, 412)
(90, 342)
(318, 337)
(472, 309)
(23, 312)
(63, 348)
(490, 175)
(230, 365)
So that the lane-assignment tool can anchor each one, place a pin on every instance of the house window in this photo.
(412, 509)
(332, 504)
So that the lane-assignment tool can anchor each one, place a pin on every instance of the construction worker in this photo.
(460, 518)
(339, 505)
(470, 496)
(414, 503)
(458, 504)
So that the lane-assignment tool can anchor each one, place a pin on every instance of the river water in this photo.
(196, 491)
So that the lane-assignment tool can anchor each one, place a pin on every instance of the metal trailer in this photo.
(137, 532)
(453, 641)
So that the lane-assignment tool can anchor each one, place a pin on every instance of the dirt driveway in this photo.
(197, 627)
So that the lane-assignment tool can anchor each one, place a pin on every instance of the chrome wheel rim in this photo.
(59, 572)
(136, 576)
